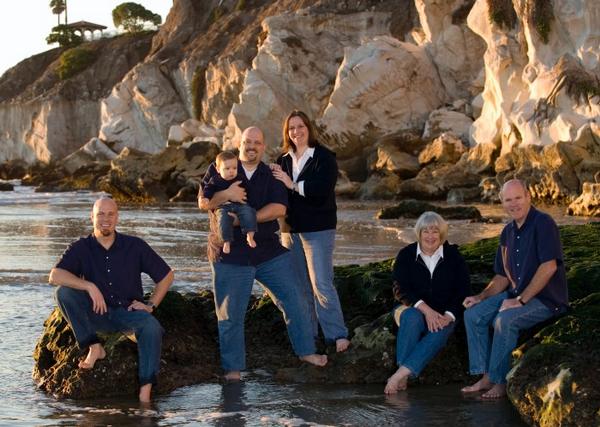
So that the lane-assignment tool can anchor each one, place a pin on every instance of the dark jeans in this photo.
(245, 213)
(76, 306)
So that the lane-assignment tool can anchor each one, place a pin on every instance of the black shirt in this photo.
(115, 271)
(261, 190)
(317, 209)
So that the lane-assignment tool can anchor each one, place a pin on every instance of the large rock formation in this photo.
(44, 118)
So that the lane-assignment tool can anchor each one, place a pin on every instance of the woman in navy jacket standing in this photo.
(309, 171)
(431, 281)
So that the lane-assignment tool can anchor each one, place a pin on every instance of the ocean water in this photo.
(36, 227)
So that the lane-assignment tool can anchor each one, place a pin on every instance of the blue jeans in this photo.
(313, 261)
(489, 354)
(245, 213)
(76, 307)
(415, 344)
(232, 286)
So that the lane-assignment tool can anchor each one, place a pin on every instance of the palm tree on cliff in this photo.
(58, 7)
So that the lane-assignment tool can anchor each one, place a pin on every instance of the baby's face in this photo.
(228, 169)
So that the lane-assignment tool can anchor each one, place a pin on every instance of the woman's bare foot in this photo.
(226, 247)
(398, 381)
(341, 345)
(232, 376)
(96, 352)
(483, 384)
(145, 391)
(250, 239)
(496, 392)
(315, 359)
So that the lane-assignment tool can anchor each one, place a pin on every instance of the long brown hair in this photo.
(287, 142)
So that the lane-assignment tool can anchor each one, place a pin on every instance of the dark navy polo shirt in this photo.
(261, 190)
(116, 271)
(536, 242)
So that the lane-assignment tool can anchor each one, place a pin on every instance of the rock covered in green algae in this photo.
(365, 292)
(414, 208)
(556, 380)
(189, 353)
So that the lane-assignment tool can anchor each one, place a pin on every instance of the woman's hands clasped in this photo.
(435, 321)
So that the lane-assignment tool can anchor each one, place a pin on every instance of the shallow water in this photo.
(36, 227)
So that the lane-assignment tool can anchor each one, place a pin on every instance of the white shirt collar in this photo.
(439, 252)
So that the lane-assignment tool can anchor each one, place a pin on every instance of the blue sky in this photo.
(24, 24)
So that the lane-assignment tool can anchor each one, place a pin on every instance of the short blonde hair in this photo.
(431, 219)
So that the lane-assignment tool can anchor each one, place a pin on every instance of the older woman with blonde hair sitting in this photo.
(431, 281)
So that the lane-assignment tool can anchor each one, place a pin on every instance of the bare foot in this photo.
(341, 345)
(96, 352)
(483, 384)
(250, 239)
(232, 376)
(315, 359)
(398, 381)
(226, 247)
(145, 393)
(496, 392)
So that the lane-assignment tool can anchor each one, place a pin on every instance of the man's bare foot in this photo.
(96, 352)
(483, 384)
(496, 392)
(398, 381)
(232, 376)
(226, 247)
(315, 359)
(341, 345)
(250, 239)
(145, 393)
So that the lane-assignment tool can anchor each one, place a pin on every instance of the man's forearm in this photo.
(161, 288)
(61, 277)
(540, 279)
(214, 202)
(497, 284)
(270, 212)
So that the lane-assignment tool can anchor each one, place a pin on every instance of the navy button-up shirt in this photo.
(261, 190)
(525, 248)
(116, 271)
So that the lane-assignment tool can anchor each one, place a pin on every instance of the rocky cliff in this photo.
(515, 82)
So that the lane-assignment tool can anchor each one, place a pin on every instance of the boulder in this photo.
(391, 159)
(383, 86)
(444, 149)
(6, 186)
(588, 202)
(382, 185)
(445, 121)
(434, 181)
(177, 135)
(555, 379)
(95, 150)
(142, 177)
(189, 353)
(414, 208)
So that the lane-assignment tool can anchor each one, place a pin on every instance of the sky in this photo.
(25, 24)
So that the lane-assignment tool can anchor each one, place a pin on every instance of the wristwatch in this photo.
(520, 299)
(152, 305)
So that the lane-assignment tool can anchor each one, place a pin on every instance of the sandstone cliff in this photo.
(516, 82)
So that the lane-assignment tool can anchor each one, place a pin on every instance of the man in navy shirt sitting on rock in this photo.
(530, 286)
(101, 290)
(269, 262)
